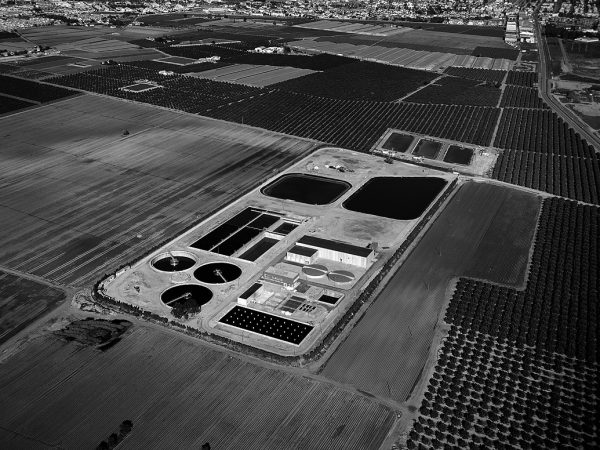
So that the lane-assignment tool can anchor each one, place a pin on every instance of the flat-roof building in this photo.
(339, 251)
(302, 255)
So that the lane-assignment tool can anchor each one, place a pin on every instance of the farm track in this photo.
(178, 395)
(466, 240)
(74, 205)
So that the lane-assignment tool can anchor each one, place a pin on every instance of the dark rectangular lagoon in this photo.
(459, 155)
(401, 198)
(304, 188)
(398, 142)
(428, 149)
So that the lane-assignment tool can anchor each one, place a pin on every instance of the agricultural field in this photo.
(9, 104)
(22, 301)
(507, 360)
(515, 96)
(431, 60)
(178, 395)
(525, 79)
(457, 91)
(358, 125)
(492, 76)
(481, 232)
(360, 81)
(253, 75)
(91, 198)
(31, 90)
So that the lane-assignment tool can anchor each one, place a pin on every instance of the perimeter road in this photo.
(543, 83)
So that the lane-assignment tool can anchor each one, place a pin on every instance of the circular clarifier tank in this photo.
(186, 295)
(341, 276)
(217, 273)
(315, 271)
(173, 262)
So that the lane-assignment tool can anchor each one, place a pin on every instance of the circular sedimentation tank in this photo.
(186, 295)
(217, 273)
(173, 262)
(341, 276)
(315, 271)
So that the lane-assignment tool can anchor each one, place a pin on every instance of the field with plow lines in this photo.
(178, 395)
(79, 197)
(482, 232)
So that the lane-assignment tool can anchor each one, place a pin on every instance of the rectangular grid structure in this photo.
(275, 327)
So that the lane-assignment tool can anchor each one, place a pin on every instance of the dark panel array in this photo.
(539, 131)
(519, 368)
(226, 229)
(267, 324)
(258, 249)
(358, 125)
(360, 81)
(493, 76)
(572, 177)
(457, 91)
(32, 90)
(522, 97)
(527, 79)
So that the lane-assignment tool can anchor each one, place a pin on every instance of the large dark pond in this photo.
(310, 189)
(402, 198)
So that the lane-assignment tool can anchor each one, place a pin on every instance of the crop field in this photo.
(457, 91)
(403, 57)
(497, 32)
(358, 125)
(385, 352)
(178, 395)
(521, 97)
(507, 359)
(354, 28)
(360, 81)
(32, 90)
(526, 79)
(492, 76)
(9, 104)
(253, 75)
(22, 301)
(79, 198)
(495, 52)
(544, 153)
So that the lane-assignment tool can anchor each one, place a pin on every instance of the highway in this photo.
(544, 87)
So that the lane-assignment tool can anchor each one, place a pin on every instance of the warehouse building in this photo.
(302, 255)
(343, 252)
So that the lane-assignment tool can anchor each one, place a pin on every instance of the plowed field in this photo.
(78, 198)
(485, 231)
(178, 395)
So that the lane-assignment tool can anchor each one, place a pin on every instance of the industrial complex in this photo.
(277, 268)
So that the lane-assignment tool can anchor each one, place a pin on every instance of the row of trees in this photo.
(489, 75)
(458, 91)
(522, 97)
(571, 177)
(540, 131)
(519, 368)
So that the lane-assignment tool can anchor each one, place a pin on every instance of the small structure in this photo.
(279, 275)
(302, 255)
(250, 294)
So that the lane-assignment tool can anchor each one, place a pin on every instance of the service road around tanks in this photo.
(386, 351)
